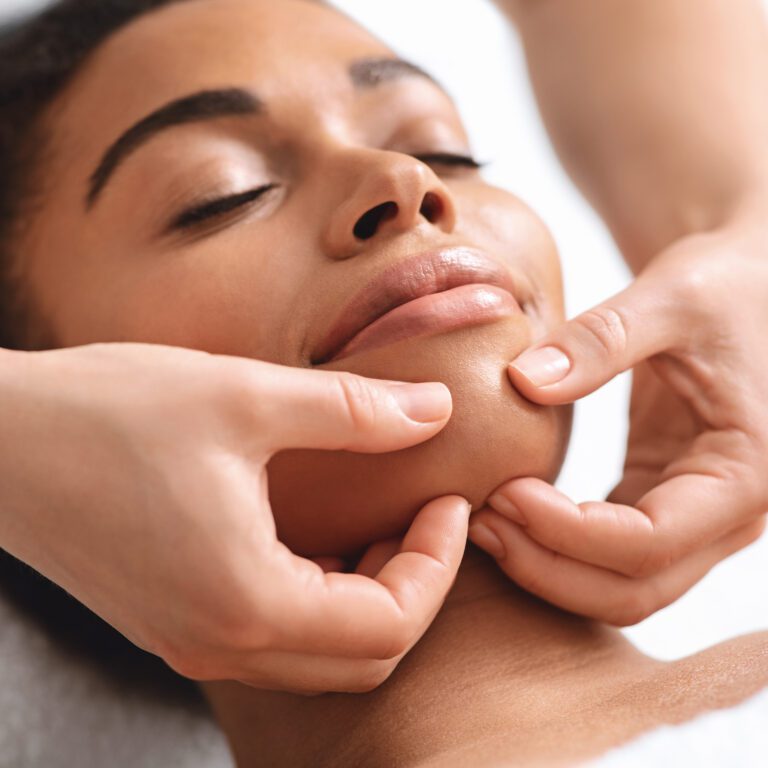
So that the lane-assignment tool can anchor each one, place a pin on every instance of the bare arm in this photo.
(658, 108)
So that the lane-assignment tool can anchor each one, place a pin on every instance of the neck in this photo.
(495, 661)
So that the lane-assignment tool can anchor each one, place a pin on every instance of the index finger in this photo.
(683, 513)
(360, 617)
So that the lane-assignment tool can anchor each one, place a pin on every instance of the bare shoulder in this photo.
(723, 675)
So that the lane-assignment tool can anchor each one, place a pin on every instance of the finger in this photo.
(580, 356)
(596, 592)
(377, 556)
(352, 615)
(305, 673)
(311, 674)
(297, 408)
(601, 533)
(301, 673)
(680, 515)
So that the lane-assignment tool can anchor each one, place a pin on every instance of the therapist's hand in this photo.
(694, 325)
(134, 476)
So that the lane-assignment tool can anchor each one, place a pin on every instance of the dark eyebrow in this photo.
(201, 106)
(368, 73)
(212, 104)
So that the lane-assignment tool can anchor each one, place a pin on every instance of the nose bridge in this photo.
(402, 180)
(384, 191)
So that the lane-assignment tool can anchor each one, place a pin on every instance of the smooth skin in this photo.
(671, 149)
(191, 559)
(191, 434)
(39, 539)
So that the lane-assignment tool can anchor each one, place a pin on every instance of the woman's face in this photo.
(282, 181)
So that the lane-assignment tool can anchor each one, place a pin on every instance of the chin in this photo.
(337, 502)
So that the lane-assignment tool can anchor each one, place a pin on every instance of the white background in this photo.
(474, 52)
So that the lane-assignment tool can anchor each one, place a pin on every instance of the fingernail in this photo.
(505, 507)
(542, 367)
(425, 403)
(486, 539)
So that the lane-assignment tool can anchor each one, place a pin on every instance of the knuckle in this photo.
(693, 285)
(239, 397)
(244, 627)
(698, 289)
(190, 664)
(358, 401)
(656, 548)
(634, 606)
(398, 643)
(211, 649)
(754, 531)
(607, 327)
(240, 626)
(656, 559)
(529, 579)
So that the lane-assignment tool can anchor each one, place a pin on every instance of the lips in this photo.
(429, 293)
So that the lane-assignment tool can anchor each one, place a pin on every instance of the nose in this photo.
(384, 194)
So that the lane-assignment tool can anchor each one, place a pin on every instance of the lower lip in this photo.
(436, 313)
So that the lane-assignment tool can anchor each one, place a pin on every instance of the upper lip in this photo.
(411, 278)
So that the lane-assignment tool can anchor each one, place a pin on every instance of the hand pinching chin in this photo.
(232, 602)
(695, 482)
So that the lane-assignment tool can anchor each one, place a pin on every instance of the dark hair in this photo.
(38, 58)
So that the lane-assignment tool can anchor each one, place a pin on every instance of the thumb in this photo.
(299, 408)
(583, 354)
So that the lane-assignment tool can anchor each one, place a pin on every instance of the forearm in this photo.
(11, 430)
(658, 108)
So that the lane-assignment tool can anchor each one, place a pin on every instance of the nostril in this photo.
(431, 207)
(369, 222)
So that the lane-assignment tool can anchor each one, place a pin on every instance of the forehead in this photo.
(194, 35)
(272, 47)
(210, 38)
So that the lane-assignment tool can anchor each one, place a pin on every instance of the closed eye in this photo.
(450, 159)
(221, 206)
(218, 207)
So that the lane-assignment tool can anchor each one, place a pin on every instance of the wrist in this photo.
(736, 211)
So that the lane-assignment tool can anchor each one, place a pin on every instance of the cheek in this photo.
(223, 296)
(504, 225)
(338, 502)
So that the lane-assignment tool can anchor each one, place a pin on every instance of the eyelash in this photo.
(451, 159)
(200, 213)
(223, 205)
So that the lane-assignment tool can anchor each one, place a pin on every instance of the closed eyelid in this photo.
(366, 73)
(199, 107)
(217, 207)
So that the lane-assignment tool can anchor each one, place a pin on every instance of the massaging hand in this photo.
(695, 486)
(134, 476)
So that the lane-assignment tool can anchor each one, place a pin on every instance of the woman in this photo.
(309, 199)
(692, 221)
